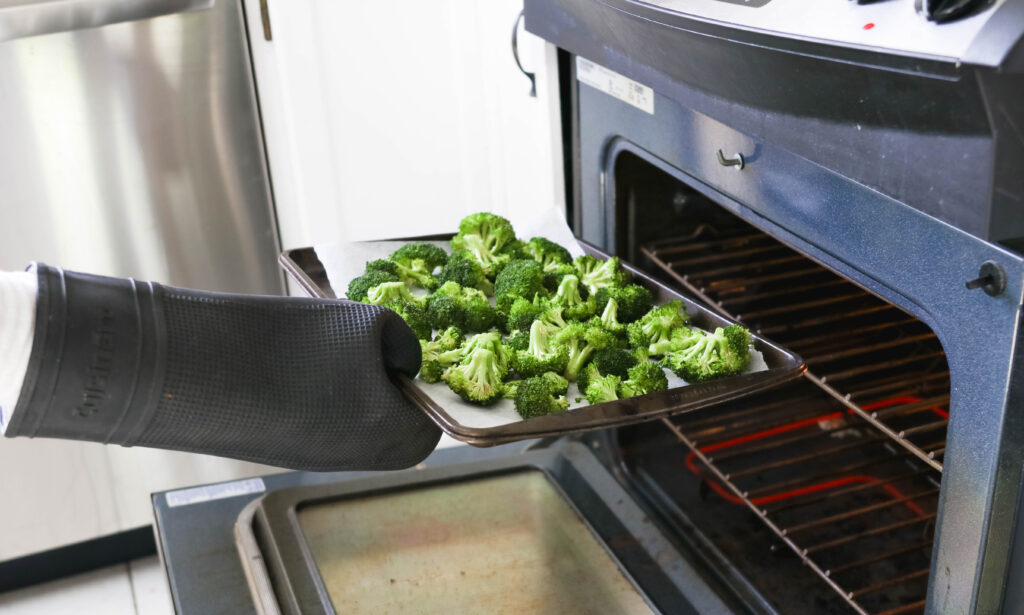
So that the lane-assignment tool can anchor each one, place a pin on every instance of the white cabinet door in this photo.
(398, 118)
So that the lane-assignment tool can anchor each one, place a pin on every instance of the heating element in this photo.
(844, 466)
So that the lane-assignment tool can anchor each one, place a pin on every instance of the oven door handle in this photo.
(25, 19)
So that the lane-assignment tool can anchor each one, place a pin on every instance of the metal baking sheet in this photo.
(487, 427)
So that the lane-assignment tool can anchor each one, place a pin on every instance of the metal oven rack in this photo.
(845, 467)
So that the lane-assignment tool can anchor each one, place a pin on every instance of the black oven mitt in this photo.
(291, 382)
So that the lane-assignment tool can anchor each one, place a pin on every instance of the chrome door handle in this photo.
(25, 19)
(736, 161)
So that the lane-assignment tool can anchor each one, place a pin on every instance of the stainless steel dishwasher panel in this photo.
(134, 149)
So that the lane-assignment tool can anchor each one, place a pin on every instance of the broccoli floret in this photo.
(358, 287)
(477, 379)
(440, 353)
(712, 355)
(415, 263)
(519, 340)
(466, 271)
(454, 305)
(656, 326)
(522, 314)
(414, 316)
(382, 264)
(536, 397)
(606, 362)
(552, 316)
(681, 338)
(549, 254)
(491, 341)
(595, 274)
(614, 361)
(569, 298)
(633, 301)
(489, 238)
(383, 294)
(602, 389)
(609, 319)
(508, 390)
(521, 278)
(541, 355)
(559, 385)
(643, 378)
(582, 341)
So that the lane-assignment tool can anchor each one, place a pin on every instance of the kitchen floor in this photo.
(136, 588)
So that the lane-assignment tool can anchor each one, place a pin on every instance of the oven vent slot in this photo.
(859, 349)
(856, 503)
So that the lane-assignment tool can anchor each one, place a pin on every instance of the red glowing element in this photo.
(868, 26)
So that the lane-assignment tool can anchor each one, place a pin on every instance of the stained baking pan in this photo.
(548, 531)
(463, 421)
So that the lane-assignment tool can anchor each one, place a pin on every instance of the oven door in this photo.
(515, 527)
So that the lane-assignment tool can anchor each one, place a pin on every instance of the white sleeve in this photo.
(17, 324)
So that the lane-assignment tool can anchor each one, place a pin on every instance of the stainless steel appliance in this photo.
(132, 143)
(849, 187)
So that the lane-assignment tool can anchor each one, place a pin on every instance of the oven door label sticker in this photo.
(614, 84)
(195, 495)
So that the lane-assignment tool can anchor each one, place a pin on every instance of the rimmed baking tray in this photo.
(547, 531)
(781, 366)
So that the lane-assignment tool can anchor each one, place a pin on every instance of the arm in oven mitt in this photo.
(290, 382)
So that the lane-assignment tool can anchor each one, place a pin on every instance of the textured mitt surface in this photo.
(291, 382)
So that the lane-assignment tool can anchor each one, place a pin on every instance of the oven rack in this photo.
(857, 505)
(859, 349)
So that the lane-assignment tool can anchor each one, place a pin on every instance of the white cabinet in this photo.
(398, 118)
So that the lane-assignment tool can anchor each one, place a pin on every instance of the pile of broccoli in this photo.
(520, 320)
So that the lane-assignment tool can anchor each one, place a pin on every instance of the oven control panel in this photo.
(891, 25)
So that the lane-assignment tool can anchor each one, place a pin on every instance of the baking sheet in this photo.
(345, 261)
(324, 271)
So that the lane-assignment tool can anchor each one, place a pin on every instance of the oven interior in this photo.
(818, 497)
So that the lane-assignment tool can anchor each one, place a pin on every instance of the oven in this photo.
(856, 198)
(847, 187)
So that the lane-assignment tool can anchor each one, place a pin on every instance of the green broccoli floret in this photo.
(382, 264)
(582, 341)
(383, 294)
(489, 238)
(414, 316)
(633, 301)
(491, 341)
(681, 338)
(465, 270)
(522, 314)
(508, 390)
(477, 379)
(536, 397)
(358, 287)
(521, 278)
(559, 385)
(569, 299)
(643, 378)
(553, 316)
(415, 263)
(609, 319)
(519, 340)
(606, 362)
(614, 361)
(595, 274)
(656, 326)
(602, 389)
(440, 353)
(549, 254)
(454, 305)
(725, 352)
(541, 355)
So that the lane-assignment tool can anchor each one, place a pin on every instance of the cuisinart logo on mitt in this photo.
(97, 374)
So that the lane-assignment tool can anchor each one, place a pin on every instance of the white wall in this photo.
(385, 119)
